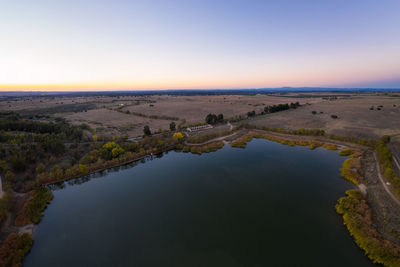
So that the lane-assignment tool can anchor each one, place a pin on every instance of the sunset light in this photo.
(92, 45)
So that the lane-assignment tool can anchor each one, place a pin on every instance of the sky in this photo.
(210, 44)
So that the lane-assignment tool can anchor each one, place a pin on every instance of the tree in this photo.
(251, 113)
(146, 130)
(220, 117)
(211, 118)
(178, 136)
(172, 126)
(117, 151)
(110, 150)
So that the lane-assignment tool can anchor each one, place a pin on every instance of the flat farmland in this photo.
(194, 109)
(368, 116)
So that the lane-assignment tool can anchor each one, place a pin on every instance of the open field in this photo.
(128, 114)
(195, 108)
(355, 117)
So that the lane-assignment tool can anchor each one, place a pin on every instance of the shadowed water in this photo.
(265, 205)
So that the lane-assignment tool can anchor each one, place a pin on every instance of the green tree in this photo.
(172, 126)
(211, 118)
(146, 130)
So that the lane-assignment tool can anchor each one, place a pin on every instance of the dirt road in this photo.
(395, 199)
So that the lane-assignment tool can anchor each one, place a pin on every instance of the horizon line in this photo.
(316, 88)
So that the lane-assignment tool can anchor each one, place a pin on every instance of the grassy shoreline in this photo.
(357, 217)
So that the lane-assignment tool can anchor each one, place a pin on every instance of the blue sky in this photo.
(198, 44)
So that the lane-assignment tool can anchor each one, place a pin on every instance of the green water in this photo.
(266, 205)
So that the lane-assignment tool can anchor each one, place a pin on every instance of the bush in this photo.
(334, 116)
(14, 249)
(349, 172)
(111, 150)
(32, 210)
(206, 148)
(345, 152)
(357, 217)
(330, 146)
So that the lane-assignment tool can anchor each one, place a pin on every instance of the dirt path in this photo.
(383, 182)
(396, 162)
(396, 159)
(211, 141)
(26, 229)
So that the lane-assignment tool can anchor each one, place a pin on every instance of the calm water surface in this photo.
(266, 205)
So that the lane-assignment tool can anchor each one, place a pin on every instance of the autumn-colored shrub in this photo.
(349, 172)
(14, 248)
(206, 148)
(32, 210)
(330, 146)
(345, 152)
(358, 219)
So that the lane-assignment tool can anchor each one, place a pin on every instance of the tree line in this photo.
(214, 119)
(274, 108)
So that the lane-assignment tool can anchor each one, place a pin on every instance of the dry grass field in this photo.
(355, 116)
(108, 114)
(195, 108)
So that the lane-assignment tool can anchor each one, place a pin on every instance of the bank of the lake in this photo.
(234, 207)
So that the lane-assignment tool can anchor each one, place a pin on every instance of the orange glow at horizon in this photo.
(247, 81)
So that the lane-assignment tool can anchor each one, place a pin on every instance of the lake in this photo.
(265, 205)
